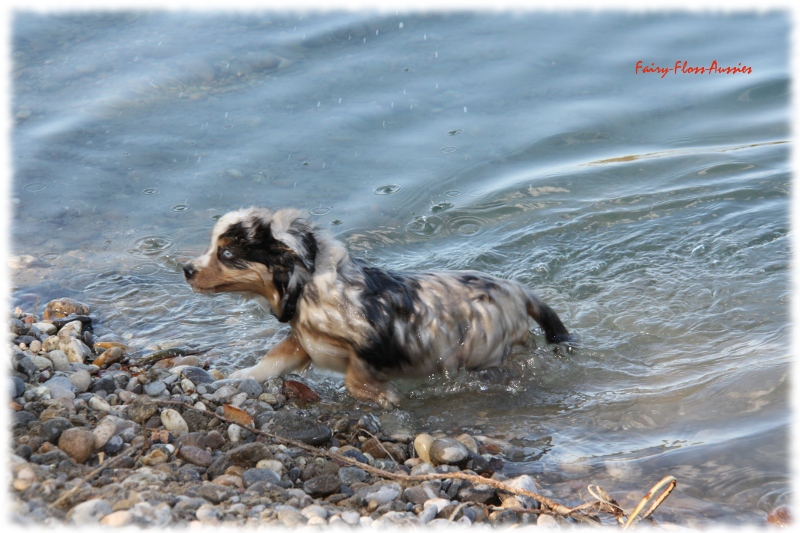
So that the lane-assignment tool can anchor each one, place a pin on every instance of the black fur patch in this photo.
(387, 297)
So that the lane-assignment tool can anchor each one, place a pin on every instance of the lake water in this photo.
(652, 213)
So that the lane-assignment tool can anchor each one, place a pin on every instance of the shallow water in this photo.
(651, 213)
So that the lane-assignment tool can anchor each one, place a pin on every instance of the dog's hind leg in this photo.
(360, 384)
(285, 357)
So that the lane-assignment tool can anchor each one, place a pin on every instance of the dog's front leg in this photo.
(362, 385)
(285, 357)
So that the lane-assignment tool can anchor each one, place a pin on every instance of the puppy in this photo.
(370, 324)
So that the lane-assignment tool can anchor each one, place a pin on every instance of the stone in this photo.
(422, 445)
(208, 513)
(104, 431)
(547, 521)
(46, 327)
(158, 454)
(63, 307)
(379, 493)
(99, 404)
(321, 486)
(76, 350)
(77, 443)
(214, 440)
(251, 387)
(117, 519)
(216, 493)
(196, 456)
(351, 517)
(17, 386)
(478, 493)
(36, 346)
(448, 451)
(81, 380)
(423, 492)
(248, 455)
(288, 425)
(301, 391)
(51, 430)
(260, 475)
(272, 464)
(197, 375)
(524, 482)
(369, 422)
(108, 357)
(174, 422)
(141, 409)
(42, 363)
(155, 388)
(114, 445)
(351, 474)
(89, 512)
(468, 441)
(289, 516)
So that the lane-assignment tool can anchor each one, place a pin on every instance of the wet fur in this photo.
(371, 324)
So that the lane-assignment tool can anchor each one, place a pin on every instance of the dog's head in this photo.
(258, 252)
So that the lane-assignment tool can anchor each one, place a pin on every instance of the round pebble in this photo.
(322, 486)
(81, 380)
(448, 451)
(155, 388)
(89, 512)
(174, 422)
(77, 443)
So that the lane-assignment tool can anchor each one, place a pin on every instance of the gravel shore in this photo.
(107, 434)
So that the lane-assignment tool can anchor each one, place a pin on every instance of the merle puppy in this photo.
(370, 324)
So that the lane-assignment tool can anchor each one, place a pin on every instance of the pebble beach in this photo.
(104, 434)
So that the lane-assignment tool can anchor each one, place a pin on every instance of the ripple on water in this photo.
(466, 225)
(425, 225)
(179, 208)
(383, 190)
(36, 186)
(149, 191)
(319, 211)
(151, 245)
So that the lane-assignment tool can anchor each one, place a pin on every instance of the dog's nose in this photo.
(188, 271)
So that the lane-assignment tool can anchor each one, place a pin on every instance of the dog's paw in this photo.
(244, 373)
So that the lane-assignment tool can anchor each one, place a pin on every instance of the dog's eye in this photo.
(226, 254)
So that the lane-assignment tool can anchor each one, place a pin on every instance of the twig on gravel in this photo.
(108, 464)
(549, 506)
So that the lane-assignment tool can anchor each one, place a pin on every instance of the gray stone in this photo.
(60, 360)
(155, 388)
(290, 516)
(42, 363)
(215, 493)
(321, 486)
(196, 456)
(17, 386)
(52, 429)
(351, 474)
(249, 454)
(478, 493)
(370, 423)
(259, 475)
(288, 425)
(89, 512)
(423, 492)
(251, 387)
(448, 451)
(141, 409)
(76, 350)
(380, 493)
(81, 380)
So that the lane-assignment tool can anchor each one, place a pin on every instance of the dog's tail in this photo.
(544, 315)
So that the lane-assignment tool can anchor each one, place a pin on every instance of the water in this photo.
(651, 213)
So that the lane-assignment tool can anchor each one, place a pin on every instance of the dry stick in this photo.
(555, 507)
(380, 444)
(670, 481)
(108, 464)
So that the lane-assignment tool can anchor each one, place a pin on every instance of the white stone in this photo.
(271, 464)
(351, 517)
(117, 519)
(187, 386)
(440, 504)
(234, 433)
(422, 445)
(315, 511)
(238, 399)
(99, 404)
(174, 422)
(104, 431)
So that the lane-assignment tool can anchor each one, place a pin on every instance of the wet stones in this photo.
(305, 430)
(63, 307)
(448, 451)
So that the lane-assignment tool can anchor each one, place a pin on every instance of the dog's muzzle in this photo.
(189, 271)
